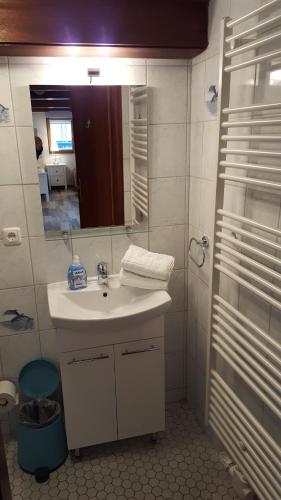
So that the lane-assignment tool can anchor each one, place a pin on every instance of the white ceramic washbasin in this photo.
(98, 304)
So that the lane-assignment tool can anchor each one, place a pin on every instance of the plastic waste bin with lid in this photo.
(41, 435)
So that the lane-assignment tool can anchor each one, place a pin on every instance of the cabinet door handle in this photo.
(87, 360)
(138, 351)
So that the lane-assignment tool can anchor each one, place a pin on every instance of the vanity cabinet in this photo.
(140, 387)
(57, 175)
(114, 388)
(88, 382)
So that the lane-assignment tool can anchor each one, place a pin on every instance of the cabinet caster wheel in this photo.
(154, 438)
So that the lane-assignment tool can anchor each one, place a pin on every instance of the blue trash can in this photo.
(41, 435)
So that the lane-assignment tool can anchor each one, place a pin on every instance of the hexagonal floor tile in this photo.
(182, 465)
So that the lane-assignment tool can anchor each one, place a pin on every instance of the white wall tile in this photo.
(168, 240)
(126, 142)
(22, 300)
(207, 206)
(210, 150)
(198, 306)
(240, 8)
(167, 201)
(6, 98)
(263, 207)
(38, 249)
(18, 350)
(125, 104)
(217, 10)
(59, 254)
(254, 308)
(164, 84)
(67, 71)
(177, 290)
(9, 160)
(186, 211)
(174, 370)
(167, 150)
(49, 348)
(127, 175)
(121, 242)
(15, 270)
(194, 201)
(234, 199)
(211, 78)
(92, 251)
(44, 319)
(167, 62)
(229, 290)
(196, 148)
(33, 210)
(20, 81)
(174, 331)
(26, 145)
(198, 93)
(12, 209)
(127, 208)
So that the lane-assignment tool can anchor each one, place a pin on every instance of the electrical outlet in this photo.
(11, 236)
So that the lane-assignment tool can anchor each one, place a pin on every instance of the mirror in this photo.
(91, 150)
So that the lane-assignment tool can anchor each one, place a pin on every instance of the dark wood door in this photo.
(97, 128)
(5, 491)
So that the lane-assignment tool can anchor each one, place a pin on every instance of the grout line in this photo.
(151, 124)
(24, 201)
(20, 184)
(166, 123)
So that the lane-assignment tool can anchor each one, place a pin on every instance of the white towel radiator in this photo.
(138, 153)
(241, 352)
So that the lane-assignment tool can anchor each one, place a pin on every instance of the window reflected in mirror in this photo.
(60, 136)
(91, 149)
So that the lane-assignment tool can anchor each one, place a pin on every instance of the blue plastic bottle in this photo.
(77, 276)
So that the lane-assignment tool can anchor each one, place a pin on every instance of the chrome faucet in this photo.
(102, 273)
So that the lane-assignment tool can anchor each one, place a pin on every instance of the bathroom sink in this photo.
(99, 304)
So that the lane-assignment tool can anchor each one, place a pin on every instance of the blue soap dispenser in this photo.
(77, 276)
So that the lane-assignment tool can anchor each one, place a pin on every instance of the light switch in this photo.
(11, 236)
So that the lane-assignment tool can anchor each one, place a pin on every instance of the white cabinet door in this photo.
(140, 387)
(88, 382)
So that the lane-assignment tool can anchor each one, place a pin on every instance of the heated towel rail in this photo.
(242, 354)
(138, 153)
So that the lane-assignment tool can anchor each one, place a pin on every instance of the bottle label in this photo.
(78, 279)
(78, 272)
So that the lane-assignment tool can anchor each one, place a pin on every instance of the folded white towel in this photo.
(152, 265)
(136, 281)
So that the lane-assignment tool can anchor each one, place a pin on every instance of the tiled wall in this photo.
(26, 269)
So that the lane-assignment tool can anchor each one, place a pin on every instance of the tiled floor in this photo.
(62, 211)
(183, 465)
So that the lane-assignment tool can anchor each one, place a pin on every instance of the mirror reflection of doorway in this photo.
(80, 168)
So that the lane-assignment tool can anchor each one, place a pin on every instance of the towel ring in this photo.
(204, 244)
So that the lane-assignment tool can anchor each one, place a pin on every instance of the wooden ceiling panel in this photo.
(146, 26)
